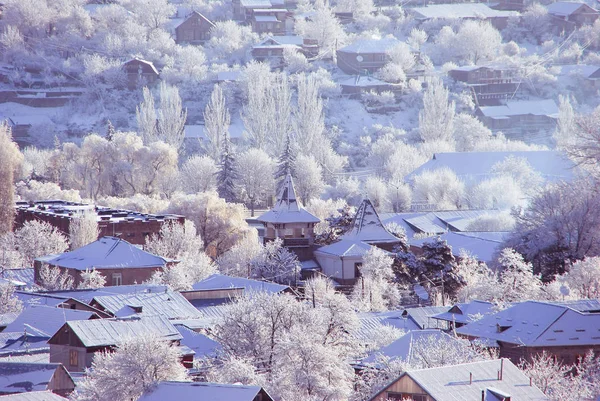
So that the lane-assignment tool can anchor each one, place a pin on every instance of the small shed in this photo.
(20, 377)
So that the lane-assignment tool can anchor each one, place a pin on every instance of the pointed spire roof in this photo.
(367, 226)
(288, 208)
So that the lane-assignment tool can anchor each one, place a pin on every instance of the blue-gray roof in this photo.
(34, 396)
(169, 304)
(465, 312)
(18, 377)
(220, 282)
(198, 342)
(164, 391)
(45, 320)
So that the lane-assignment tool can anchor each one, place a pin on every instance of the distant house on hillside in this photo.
(487, 83)
(585, 78)
(195, 29)
(119, 261)
(272, 20)
(365, 55)
(566, 331)
(21, 377)
(187, 391)
(569, 15)
(494, 380)
(462, 11)
(359, 84)
(519, 115)
(75, 343)
(140, 73)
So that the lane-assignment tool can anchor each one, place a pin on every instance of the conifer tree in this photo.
(285, 163)
(227, 175)
(110, 131)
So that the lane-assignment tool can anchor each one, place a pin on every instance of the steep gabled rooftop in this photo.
(288, 208)
(367, 226)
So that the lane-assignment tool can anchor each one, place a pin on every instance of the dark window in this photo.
(73, 357)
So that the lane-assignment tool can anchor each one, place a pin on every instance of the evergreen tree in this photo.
(227, 175)
(110, 131)
(285, 163)
(438, 267)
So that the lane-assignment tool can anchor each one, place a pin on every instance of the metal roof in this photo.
(106, 332)
(169, 304)
(45, 320)
(16, 377)
(221, 281)
(34, 396)
(201, 391)
(465, 312)
(288, 208)
(367, 226)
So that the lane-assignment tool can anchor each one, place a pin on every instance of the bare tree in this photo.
(10, 159)
(145, 114)
(436, 120)
(216, 122)
(255, 172)
(171, 116)
(309, 120)
(83, 230)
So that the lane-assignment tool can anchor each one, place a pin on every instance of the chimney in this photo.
(482, 395)
(470, 378)
(530, 382)
(501, 368)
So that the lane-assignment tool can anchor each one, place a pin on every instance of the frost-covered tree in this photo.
(375, 290)
(83, 230)
(583, 278)
(53, 279)
(469, 132)
(255, 171)
(517, 280)
(477, 41)
(199, 174)
(436, 120)
(230, 41)
(227, 174)
(146, 117)
(323, 27)
(38, 238)
(9, 303)
(132, 368)
(308, 178)
(180, 242)
(91, 279)
(285, 163)
(309, 120)
(437, 268)
(564, 135)
(276, 263)
(441, 188)
(237, 260)
(171, 116)
(10, 160)
(216, 122)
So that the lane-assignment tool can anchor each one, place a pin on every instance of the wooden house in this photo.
(519, 116)
(568, 15)
(195, 29)
(290, 221)
(365, 55)
(271, 20)
(120, 262)
(243, 9)
(487, 84)
(21, 377)
(140, 73)
(564, 330)
(272, 48)
(75, 343)
(492, 380)
(184, 391)
(462, 11)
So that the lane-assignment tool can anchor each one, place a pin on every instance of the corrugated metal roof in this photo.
(45, 320)
(105, 332)
(88, 294)
(221, 281)
(21, 377)
(200, 391)
(465, 312)
(34, 396)
(169, 304)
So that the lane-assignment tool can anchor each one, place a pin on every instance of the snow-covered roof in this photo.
(265, 18)
(367, 226)
(23, 377)
(564, 8)
(256, 3)
(34, 396)
(169, 304)
(480, 248)
(288, 208)
(345, 247)
(106, 332)
(545, 107)
(107, 253)
(460, 10)
(45, 320)
(583, 70)
(371, 322)
(537, 324)
(86, 295)
(202, 391)
(466, 312)
(369, 46)
(362, 81)
(198, 342)
(221, 281)
(472, 167)
(24, 275)
(402, 347)
(452, 382)
(282, 40)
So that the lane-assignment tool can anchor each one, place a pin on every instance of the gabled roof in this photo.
(34, 396)
(483, 249)
(18, 377)
(451, 383)
(367, 226)
(199, 343)
(107, 253)
(107, 332)
(86, 295)
(369, 46)
(465, 312)
(166, 391)
(45, 320)
(566, 8)
(197, 14)
(288, 208)
(221, 282)
(345, 247)
(537, 324)
(545, 107)
(283, 40)
(149, 64)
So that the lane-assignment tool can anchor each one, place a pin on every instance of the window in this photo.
(406, 396)
(117, 279)
(357, 267)
(73, 357)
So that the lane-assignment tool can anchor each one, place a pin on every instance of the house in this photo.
(474, 167)
(570, 15)
(463, 313)
(519, 115)
(20, 377)
(487, 84)
(492, 380)
(272, 48)
(483, 246)
(342, 259)
(243, 9)
(579, 76)
(365, 55)
(116, 259)
(75, 343)
(34, 396)
(290, 221)
(167, 391)
(45, 320)
(356, 85)
(272, 20)
(140, 73)
(195, 29)
(529, 328)
(133, 226)
(462, 11)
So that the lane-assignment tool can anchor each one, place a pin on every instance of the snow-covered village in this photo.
(299, 200)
